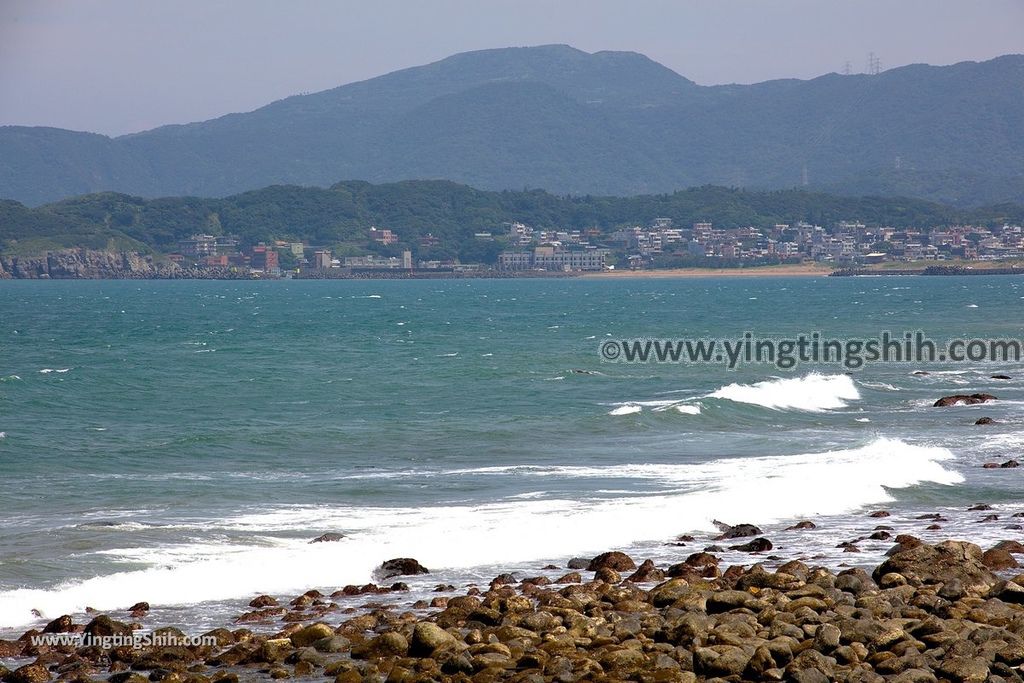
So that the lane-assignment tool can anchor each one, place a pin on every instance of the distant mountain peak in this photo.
(571, 121)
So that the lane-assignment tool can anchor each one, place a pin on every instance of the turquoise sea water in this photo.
(180, 442)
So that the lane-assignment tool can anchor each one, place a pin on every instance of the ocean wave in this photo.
(764, 490)
(628, 409)
(813, 393)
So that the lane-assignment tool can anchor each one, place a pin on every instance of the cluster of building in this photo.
(844, 244)
(222, 251)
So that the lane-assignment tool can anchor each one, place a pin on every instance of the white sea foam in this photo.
(628, 409)
(46, 371)
(813, 392)
(765, 490)
(688, 408)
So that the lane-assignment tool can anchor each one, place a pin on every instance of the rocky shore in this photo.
(91, 264)
(929, 612)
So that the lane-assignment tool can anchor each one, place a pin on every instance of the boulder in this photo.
(801, 525)
(329, 537)
(984, 421)
(62, 624)
(941, 563)
(963, 399)
(1015, 547)
(758, 545)
(427, 638)
(646, 573)
(400, 566)
(1001, 377)
(30, 673)
(614, 560)
(736, 531)
(263, 601)
(308, 635)
(998, 560)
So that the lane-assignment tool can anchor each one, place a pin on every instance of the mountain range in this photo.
(571, 122)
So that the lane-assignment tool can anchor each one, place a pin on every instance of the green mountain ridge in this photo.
(451, 213)
(554, 117)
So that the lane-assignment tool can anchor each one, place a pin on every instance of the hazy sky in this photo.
(118, 66)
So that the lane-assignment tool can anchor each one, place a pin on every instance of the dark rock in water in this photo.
(978, 508)
(921, 372)
(400, 566)
(714, 549)
(62, 624)
(263, 601)
(883, 528)
(615, 560)
(879, 513)
(607, 574)
(736, 531)
(142, 606)
(984, 421)
(963, 399)
(1015, 547)
(577, 563)
(934, 516)
(990, 466)
(998, 560)
(329, 537)
(30, 673)
(758, 545)
(989, 518)
(804, 524)
(646, 573)
(685, 538)
(932, 527)
(1001, 377)
(571, 577)
(1009, 464)
(105, 627)
(505, 579)
(701, 560)
(880, 536)
(904, 542)
(941, 563)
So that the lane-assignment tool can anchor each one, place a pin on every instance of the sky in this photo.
(121, 66)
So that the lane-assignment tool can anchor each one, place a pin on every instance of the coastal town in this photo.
(522, 249)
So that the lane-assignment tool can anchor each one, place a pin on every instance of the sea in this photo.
(182, 442)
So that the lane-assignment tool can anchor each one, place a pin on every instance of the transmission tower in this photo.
(874, 64)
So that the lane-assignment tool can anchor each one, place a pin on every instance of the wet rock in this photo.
(1009, 464)
(62, 624)
(979, 508)
(571, 577)
(263, 601)
(1015, 547)
(998, 560)
(577, 563)
(736, 531)
(105, 627)
(879, 513)
(963, 399)
(801, 525)
(758, 545)
(614, 560)
(427, 638)
(400, 566)
(30, 673)
(941, 563)
(391, 644)
(646, 573)
(984, 421)
(329, 537)
(608, 575)
(308, 635)
(1001, 377)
